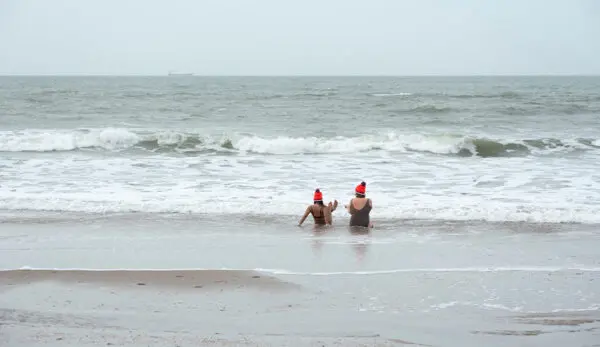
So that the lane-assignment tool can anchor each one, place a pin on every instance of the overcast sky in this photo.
(304, 37)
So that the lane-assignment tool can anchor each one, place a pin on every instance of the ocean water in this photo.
(490, 149)
(486, 193)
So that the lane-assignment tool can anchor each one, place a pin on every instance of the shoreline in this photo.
(176, 279)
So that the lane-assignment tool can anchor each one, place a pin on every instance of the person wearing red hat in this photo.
(321, 213)
(360, 207)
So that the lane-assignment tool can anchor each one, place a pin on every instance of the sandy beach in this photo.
(163, 308)
(232, 308)
(122, 281)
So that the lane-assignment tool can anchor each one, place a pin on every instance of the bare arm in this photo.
(335, 204)
(306, 213)
(330, 209)
(348, 206)
(328, 219)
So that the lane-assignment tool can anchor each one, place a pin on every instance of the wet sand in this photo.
(249, 308)
(164, 308)
(86, 282)
(176, 279)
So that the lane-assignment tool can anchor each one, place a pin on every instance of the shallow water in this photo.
(486, 252)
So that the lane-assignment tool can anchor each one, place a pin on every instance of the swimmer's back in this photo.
(360, 210)
(318, 213)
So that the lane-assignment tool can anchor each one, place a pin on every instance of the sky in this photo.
(299, 37)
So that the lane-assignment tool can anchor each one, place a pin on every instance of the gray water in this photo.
(485, 190)
(496, 149)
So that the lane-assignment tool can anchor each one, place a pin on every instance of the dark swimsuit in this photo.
(360, 218)
(319, 219)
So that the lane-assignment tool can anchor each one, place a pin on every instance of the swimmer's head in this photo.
(361, 190)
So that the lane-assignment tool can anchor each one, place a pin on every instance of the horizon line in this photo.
(301, 76)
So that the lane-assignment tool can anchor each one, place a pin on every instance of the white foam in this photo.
(594, 307)
(486, 306)
(115, 139)
(434, 270)
(131, 201)
(170, 137)
(66, 140)
(229, 185)
(338, 273)
(402, 185)
(391, 142)
(313, 145)
(118, 139)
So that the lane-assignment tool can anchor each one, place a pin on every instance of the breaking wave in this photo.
(116, 139)
(238, 202)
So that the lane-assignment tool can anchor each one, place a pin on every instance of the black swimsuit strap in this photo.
(320, 210)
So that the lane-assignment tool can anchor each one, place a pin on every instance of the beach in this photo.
(282, 285)
(163, 211)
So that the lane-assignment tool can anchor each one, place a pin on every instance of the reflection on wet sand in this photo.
(512, 332)
(360, 241)
(360, 247)
(571, 322)
(317, 245)
(317, 242)
(560, 318)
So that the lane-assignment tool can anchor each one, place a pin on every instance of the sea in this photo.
(485, 190)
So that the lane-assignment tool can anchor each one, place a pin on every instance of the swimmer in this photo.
(360, 207)
(320, 212)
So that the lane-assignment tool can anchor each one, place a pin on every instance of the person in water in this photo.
(321, 213)
(360, 208)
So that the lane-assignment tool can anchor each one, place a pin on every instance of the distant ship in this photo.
(171, 73)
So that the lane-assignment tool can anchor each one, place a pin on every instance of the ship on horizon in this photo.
(171, 73)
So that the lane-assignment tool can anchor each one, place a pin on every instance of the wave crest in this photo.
(116, 139)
